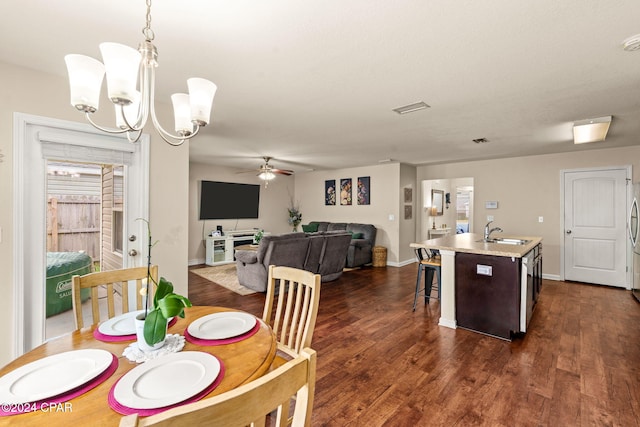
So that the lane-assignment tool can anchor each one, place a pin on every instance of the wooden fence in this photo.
(73, 224)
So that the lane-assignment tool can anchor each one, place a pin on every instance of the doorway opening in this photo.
(85, 208)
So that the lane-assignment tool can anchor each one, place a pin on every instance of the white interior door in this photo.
(37, 139)
(595, 211)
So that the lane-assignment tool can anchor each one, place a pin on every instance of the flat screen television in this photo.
(228, 200)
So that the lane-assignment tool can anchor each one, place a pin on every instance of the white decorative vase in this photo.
(142, 343)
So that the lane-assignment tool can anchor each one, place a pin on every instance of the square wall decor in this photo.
(364, 190)
(330, 192)
(345, 191)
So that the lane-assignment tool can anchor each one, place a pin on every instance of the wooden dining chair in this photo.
(298, 295)
(249, 403)
(112, 281)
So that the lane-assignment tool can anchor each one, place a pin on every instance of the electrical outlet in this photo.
(540, 219)
(392, 217)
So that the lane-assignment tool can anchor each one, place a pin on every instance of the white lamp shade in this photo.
(201, 93)
(85, 81)
(121, 64)
(130, 111)
(182, 113)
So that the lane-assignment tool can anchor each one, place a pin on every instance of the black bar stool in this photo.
(429, 262)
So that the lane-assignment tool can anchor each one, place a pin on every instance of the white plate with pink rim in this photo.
(167, 380)
(120, 325)
(219, 326)
(53, 375)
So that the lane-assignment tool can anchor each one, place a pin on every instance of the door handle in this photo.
(568, 231)
(133, 252)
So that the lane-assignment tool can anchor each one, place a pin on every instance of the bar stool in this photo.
(429, 263)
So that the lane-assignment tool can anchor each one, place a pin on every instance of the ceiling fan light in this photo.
(85, 81)
(266, 175)
(201, 93)
(591, 130)
(121, 63)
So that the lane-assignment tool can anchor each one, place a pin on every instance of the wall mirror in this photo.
(437, 198)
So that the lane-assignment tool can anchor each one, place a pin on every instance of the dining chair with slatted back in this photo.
(298, 296)
(114, 281)
(249, 403)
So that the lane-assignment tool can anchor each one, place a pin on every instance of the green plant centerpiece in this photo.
(166, 304)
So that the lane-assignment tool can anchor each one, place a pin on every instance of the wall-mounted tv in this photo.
(227, 200)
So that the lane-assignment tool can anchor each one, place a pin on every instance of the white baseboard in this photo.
(555, 277)
(196, 261)
(448, 323)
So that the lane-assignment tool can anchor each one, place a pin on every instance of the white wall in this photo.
(385, 201)
(528, 187)
(27, 91)
(272, 212)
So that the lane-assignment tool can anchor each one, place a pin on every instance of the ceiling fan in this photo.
(266, 172)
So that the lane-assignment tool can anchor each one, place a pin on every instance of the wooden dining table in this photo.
(243, 361)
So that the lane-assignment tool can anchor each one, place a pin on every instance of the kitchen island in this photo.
(489, 287)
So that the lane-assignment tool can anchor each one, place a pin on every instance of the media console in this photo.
(219, 249)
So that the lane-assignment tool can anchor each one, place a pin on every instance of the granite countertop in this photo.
(472, 243)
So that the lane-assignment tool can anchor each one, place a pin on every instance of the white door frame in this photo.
(563, 172)
(29, 209)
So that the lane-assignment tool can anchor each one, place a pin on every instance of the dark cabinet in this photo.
(488, 293)
(496, 295)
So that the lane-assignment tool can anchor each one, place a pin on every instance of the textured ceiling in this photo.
(313, 84)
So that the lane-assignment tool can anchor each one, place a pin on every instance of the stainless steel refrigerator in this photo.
(635, 244)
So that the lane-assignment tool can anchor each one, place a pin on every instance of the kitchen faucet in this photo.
(487, 232)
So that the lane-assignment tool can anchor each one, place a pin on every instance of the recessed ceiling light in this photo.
(411, 108)
(480, 140)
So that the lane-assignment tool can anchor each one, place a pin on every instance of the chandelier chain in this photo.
(147, 31)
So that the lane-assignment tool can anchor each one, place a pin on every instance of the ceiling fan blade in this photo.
(282, 171)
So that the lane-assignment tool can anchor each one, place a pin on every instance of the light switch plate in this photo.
(489, 217)
(540, 219)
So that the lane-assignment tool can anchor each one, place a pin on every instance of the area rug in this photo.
(225, 276)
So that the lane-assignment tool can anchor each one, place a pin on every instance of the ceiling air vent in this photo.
(481, 140)
(411, 108)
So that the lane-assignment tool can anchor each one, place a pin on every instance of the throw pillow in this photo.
(310, 228)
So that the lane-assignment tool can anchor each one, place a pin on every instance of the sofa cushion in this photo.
(360, 243)
(333, 226)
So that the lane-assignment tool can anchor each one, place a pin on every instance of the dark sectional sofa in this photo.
(324, 253)
(363, 239)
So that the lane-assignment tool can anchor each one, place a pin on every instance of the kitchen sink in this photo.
(506, 241)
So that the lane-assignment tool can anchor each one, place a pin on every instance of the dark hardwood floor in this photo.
(379, 363)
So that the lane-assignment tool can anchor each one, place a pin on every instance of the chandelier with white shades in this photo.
(124, 66)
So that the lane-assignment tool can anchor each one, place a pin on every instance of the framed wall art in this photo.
(364, 190)
(330, 192)
(345, 191)
(408, 212)
(408, 195)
